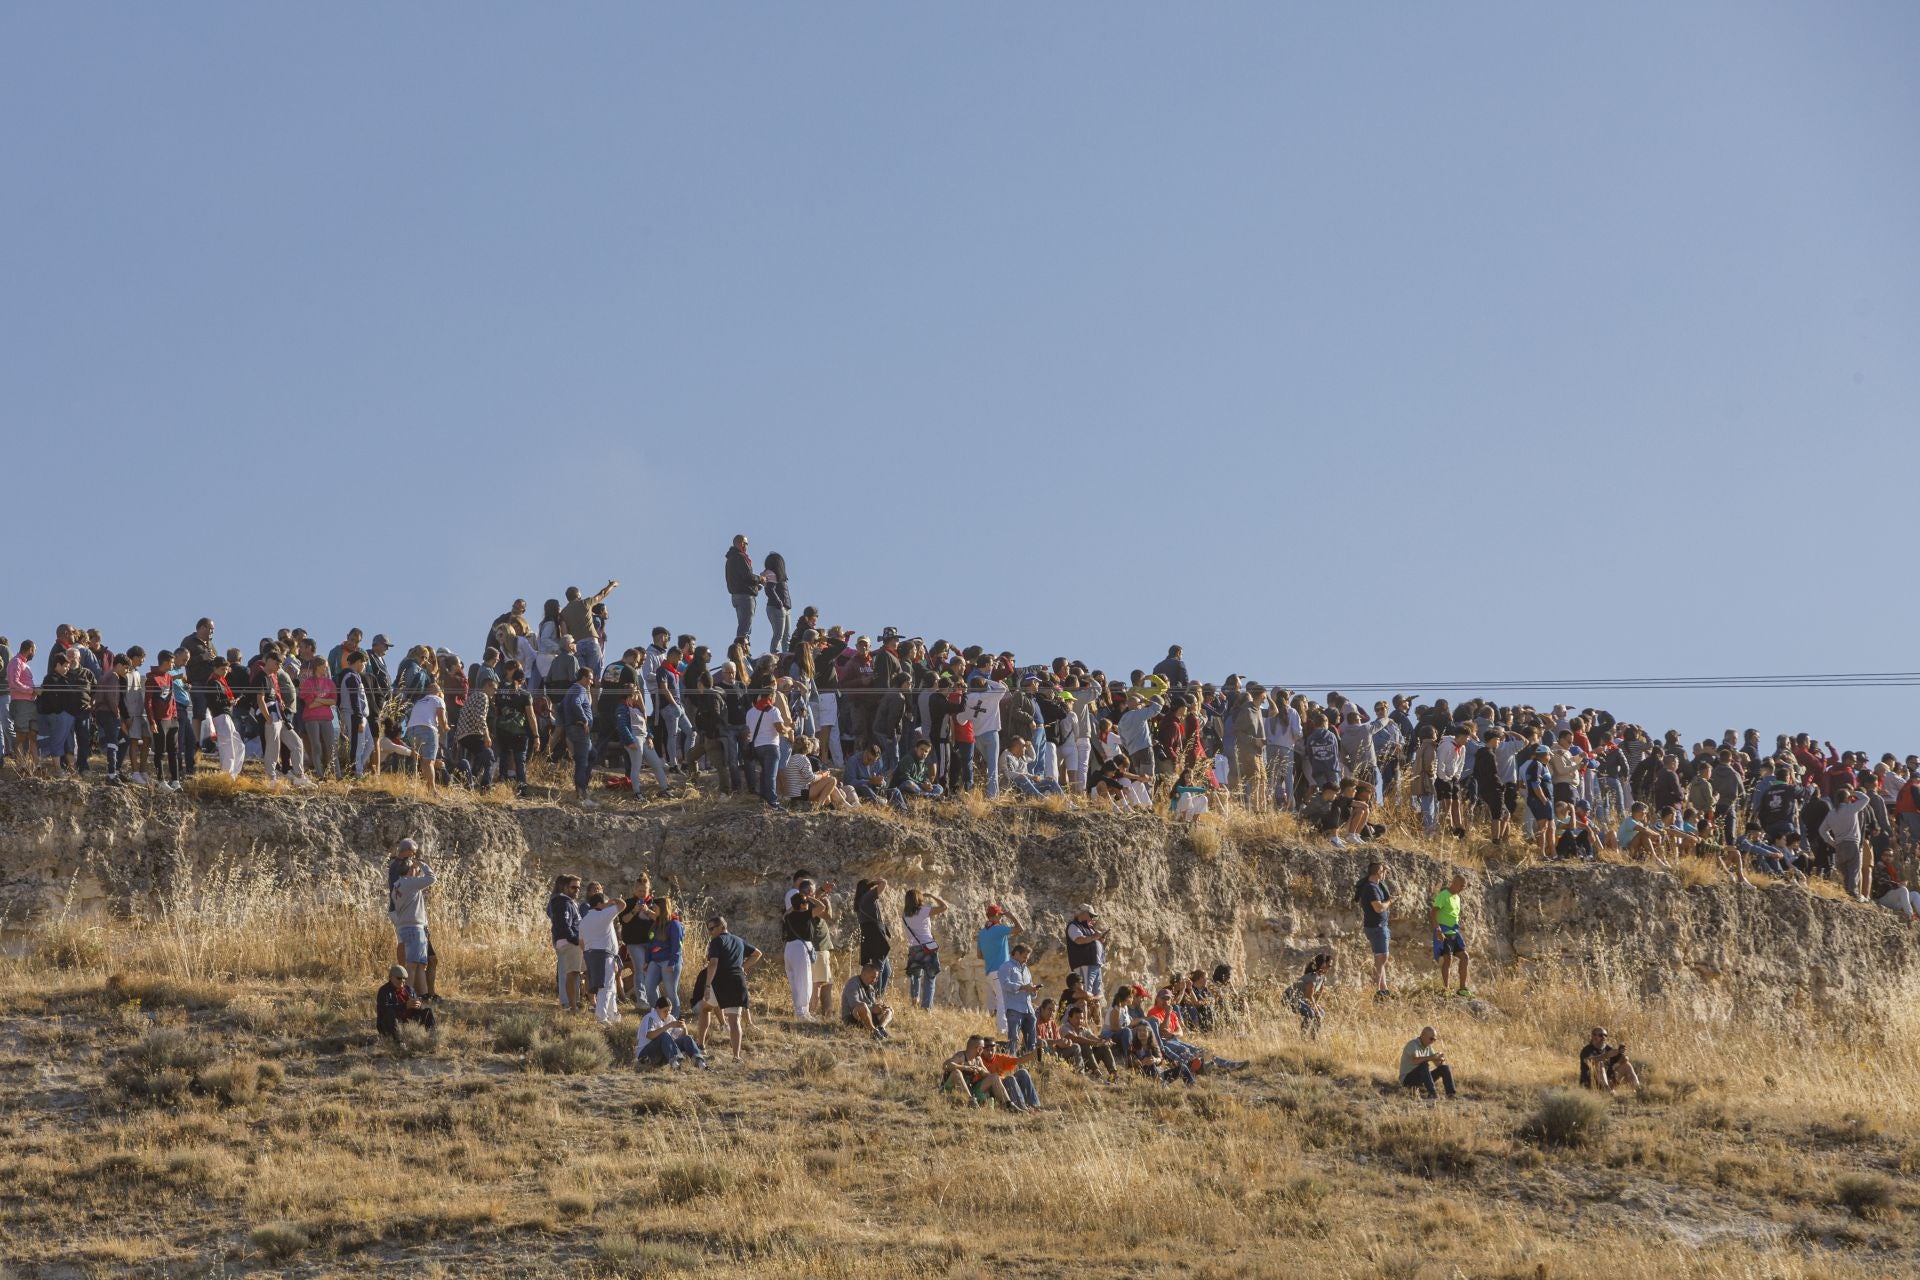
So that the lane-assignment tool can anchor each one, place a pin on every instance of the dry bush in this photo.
(685, 1180)
(572, 1051)
(1865, 1195)
(814, 1064)
(278, 1241)
(1204, 838)
(1568, 1118)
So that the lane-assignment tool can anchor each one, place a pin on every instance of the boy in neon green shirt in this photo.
(1447, 939)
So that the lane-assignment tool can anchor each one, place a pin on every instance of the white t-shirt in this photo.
(652, 1022)
(426, 712)
(920, 928)
(597, 928)
(765, 725)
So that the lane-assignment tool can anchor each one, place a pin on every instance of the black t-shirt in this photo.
(513, 713)
(874, 943)
(1587, 1054)
(1370, 895)
(731, 951)
(797, 925)
(636, 931)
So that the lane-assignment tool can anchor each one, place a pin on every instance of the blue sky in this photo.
(1337, 343)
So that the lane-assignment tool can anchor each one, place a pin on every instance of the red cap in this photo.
(993, 909)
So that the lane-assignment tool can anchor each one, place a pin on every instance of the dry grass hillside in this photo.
(197, 1093)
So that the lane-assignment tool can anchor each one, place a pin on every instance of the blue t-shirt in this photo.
(665, 947)
(992, 943)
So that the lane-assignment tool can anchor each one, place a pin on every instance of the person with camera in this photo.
(1421, 1065)
(803, 926)
(663, 1039)
(992, 943)
(1087, 948)
(1603, 1065)
(967, 1071)
(1017, 989)
(407, 881)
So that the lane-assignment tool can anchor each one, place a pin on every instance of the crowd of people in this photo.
(634, 943)
(824, 716)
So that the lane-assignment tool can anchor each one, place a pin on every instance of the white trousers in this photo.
(226, 738)
(799, 958)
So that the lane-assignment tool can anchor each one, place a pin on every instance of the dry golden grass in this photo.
(292, 1139)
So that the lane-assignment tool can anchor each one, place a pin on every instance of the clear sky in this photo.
(1395, 342)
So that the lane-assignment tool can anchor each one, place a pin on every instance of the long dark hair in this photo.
(552, 612)
(776, 564)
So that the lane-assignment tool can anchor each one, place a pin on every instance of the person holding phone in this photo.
(1603, 1065)
(663, 1039)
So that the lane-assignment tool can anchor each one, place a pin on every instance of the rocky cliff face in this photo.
(1172, 902)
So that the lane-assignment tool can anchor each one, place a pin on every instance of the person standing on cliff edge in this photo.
(1375, 900)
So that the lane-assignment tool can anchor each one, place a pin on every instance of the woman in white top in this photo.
(546, 645)
(923, 953)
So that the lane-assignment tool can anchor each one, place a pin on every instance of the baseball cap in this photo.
(407, 845)
(993, 909)
(1085, 909)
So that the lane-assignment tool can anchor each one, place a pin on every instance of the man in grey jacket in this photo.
(407, 881)
(1841, 829)
(1246, 718)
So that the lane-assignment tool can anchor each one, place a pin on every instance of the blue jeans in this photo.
(743, 606)
(923, 971)
(56, 735)
(1020, 1088)
(580, 744)
(107, 735)
(667, 1048)
(641, 755)
(513, 760)
(988, 741)
(1090, 980)
(886, 974)
(413, 941)
(1280, 774)
(777, 642)
(660, 979)
(588, 653)
(480, 764)
(769, 758)
(1020, 1029)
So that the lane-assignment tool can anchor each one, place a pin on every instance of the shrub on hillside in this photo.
(1865, 1195)
(1568, 1118)
(687, 1180)
(572, 1051)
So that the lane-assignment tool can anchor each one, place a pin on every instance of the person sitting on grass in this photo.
(1762, 854)
(1421, 1064)
(860, 1002)
(663, 1039)
(969, 1073)
(1081, 1045)
(1148, 1055)
(1638, 839)
(799, 781)
(1573, 838)
(913, 777)
(1351, 811)
(395, 1003)
(1603, 1065)
(1890, 891)
(1165, 1016)
(1011, 1069)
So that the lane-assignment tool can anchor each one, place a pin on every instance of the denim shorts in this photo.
(425, 740)
(413, 940)
(24, 715)
(1378, 936)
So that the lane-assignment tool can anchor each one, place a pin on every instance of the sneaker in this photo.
(1465, 993)
(1383, 996)
(1338, 843)
(588, 802)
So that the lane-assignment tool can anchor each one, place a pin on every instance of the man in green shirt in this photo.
(1448, 941)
